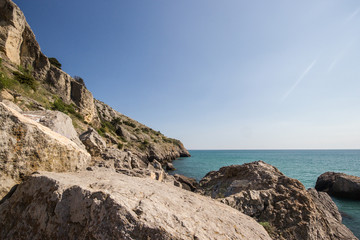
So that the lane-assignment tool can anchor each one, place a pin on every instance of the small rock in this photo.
(169, 166)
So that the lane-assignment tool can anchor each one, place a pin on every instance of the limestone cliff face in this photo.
(142, 140)
(18, 45)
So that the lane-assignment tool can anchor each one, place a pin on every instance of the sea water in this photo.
(304, 165)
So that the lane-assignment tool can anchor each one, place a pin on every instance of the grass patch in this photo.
(26, 78)
(144, 144)
(268, 227)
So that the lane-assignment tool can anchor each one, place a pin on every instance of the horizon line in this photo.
(255, 149)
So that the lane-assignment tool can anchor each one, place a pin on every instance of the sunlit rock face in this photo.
(264, 193)
(27, 146)
(108, 205)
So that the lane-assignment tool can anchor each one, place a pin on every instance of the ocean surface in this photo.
(304, 165)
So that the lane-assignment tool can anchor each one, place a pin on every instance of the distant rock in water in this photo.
(280, 203)
(339, 185)
(108, 205)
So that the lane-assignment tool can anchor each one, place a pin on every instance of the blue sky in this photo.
(229, 74)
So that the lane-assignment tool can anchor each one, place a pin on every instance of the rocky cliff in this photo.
(23, 61)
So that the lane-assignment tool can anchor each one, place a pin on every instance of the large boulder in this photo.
(27, 146)
(279, 202)
(107, 205)
(58, 122)
(339, 185)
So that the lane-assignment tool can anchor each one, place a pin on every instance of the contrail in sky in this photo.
(356, 12)
(307, 70)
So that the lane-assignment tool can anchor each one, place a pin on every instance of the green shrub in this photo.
(144, 144)
(131, 124)
(145, 130)
(120, 146)
(26, 78)
(59, 105)
(268, 227)
(2, 80)
(116, 121)
(55, 62)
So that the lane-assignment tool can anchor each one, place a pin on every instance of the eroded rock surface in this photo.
(18, 45)
(107, 205)
(339, 185)
(93, 142)
(57, 121)
(187, 183)
(264, 193)
(27, 146)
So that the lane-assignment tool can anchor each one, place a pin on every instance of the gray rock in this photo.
(107, 205)
(339, 185)
(169, 166)
(93, 142)
(57, 121)
(12, 105)
(27, 146)
(187, 183)
(264, 193)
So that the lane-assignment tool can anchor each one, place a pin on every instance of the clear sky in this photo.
(231, 74)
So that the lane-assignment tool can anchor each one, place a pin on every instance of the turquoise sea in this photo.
(304, 165)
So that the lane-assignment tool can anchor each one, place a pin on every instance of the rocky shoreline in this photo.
(71, 167)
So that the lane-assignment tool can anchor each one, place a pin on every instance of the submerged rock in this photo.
(282, 203)
(107, 205)
(27, 146)
(339, 185)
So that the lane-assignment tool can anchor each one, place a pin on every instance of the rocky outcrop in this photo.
(27, 146)
(57, 122)
(264, 193)
(18, 45)
(187, 183)
(138, 138)
(17, 41)
(94, 143)
(107, 205)
(339, 185)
